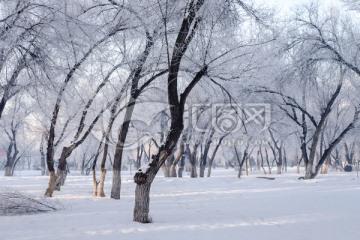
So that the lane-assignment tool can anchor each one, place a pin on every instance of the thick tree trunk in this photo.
(61, 172)
(143, 180)
(116, 184)
(142, 201)
(279, 168)
(60, 179)
(8, 171)
(193, 172)
(309, 171)
(51, 185)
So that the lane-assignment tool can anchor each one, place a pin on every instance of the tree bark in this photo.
(101, 183)
(95, 183)
(8, 171)
(116, 184)
(142, 202)
(51, 185)
(211, 161)
(143, 180)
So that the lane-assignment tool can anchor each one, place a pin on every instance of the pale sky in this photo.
(285, 5)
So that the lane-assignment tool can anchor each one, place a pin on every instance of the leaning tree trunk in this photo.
(116, 181)
(211, 161)
(143, 180)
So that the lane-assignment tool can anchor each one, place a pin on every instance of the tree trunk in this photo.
(278, 167)
(209, 170)
(202, 170)
(143, 180)
(193, 172)
(182, 165)
(42, 157)
(8, 171)
(309, 171)
(95, 183)
(51, 185)
(192, 160)
(135, 92)
(247, 166)
(101, 183)
(116, 184)
(61, 173)
(142, 201)
(165, 169)
(180, 153)
(172, 172)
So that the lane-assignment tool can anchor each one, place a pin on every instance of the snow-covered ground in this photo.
(221, 207)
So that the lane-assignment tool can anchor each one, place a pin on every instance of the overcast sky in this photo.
(286, 5)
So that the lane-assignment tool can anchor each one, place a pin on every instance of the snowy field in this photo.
(221, 207)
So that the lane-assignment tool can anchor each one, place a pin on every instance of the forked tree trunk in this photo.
(143, 180)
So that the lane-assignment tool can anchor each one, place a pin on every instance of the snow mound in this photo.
(19, 203)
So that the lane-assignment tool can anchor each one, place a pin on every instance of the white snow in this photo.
(221, 207)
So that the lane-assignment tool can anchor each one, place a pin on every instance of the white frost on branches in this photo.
(13, 202)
